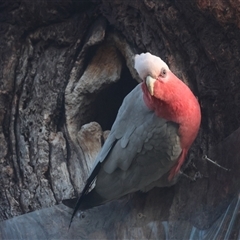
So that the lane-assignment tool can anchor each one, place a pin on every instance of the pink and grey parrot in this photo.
(153, 131)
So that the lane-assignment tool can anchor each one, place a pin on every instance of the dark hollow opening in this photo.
(110, 99)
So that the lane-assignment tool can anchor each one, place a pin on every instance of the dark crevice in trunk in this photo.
(108, 101)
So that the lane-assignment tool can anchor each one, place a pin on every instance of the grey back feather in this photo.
(140, 149)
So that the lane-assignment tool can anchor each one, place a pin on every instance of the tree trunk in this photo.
(66, 67)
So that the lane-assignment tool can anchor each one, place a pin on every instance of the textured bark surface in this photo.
(139, 216)
(65, 64)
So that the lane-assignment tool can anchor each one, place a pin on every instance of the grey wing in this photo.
(132, 112)
(140, 149)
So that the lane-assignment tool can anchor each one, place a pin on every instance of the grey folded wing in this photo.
(140, 149)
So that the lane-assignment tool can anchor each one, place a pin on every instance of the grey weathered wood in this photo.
(140, 215)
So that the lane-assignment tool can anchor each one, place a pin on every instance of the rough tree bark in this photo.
(65, 68)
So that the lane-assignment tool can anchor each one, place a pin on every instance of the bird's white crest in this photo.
(147, 64)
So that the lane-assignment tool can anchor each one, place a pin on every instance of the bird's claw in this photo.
(205, 157)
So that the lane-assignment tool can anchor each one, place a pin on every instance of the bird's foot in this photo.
(205, 157)
(194, 178)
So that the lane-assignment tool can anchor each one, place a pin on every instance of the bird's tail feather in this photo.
(71, 203)
(90, 200)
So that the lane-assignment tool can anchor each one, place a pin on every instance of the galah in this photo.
(153, 131)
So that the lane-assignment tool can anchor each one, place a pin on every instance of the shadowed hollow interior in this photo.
(108, 101)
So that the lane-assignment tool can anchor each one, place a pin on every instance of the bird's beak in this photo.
(150, 84)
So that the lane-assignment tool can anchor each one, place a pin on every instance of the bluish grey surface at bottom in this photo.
(100, 223)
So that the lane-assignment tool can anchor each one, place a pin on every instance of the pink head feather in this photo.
(172, 100)
(147, 64)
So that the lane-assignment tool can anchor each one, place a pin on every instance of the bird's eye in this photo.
(163, 72)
